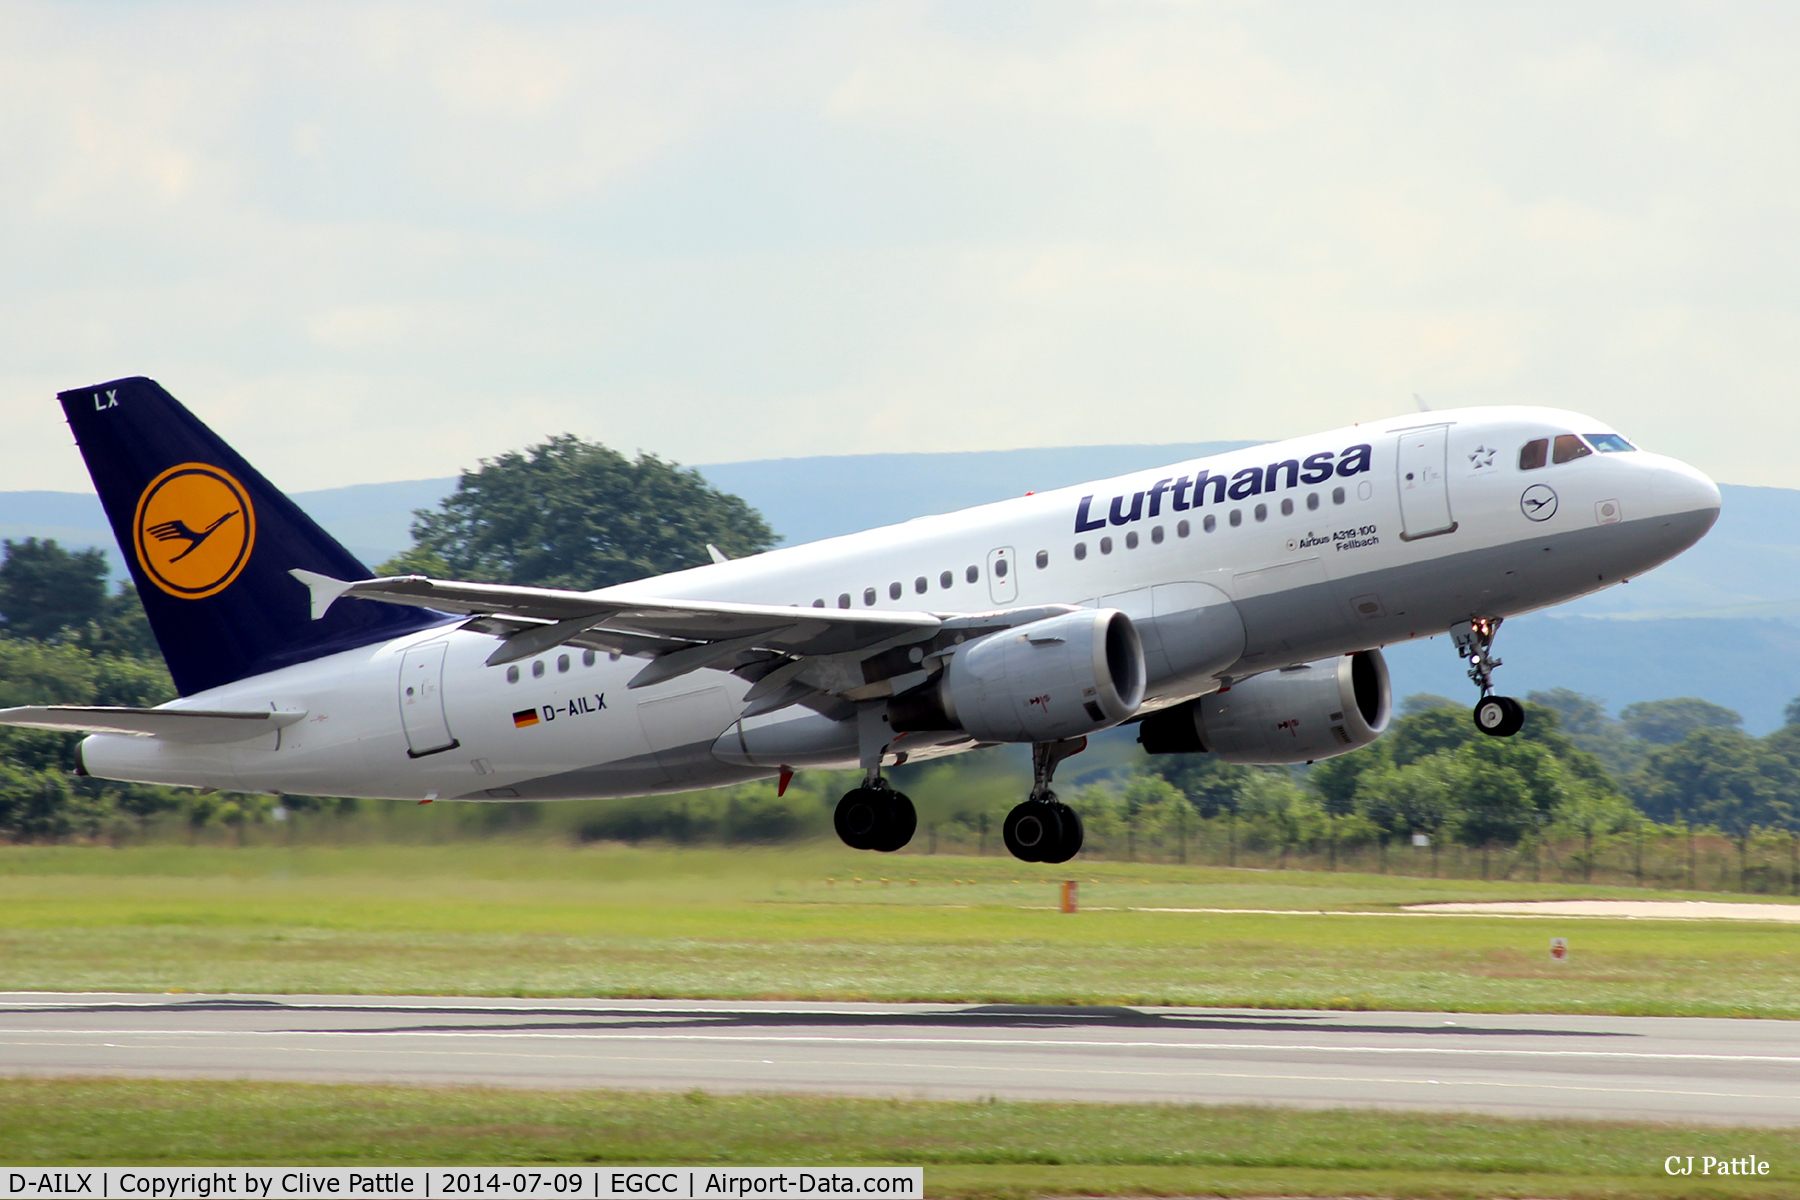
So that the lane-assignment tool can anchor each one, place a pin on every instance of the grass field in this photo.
(501, 918)
(968, 1149)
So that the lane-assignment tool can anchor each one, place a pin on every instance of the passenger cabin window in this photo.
(1609, 443)
(868, 596)
(1533, 455)
(1568, 448)
(843, 599)
(972, 574)
(920, 584)
(1237, 517)
(1211, 523)
(1106, 545)
(1131, 540)
(1080, 551)
(1000, 568)
(818, 604)
(562, 663)
(895, 589)
(946, 579)
(1156, 534)
(512, 674)
(587, 658)
(1043, 559)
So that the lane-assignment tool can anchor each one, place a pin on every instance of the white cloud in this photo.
(381, 240)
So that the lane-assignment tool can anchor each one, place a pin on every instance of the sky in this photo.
(380, 241)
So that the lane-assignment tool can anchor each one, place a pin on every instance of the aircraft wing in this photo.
(171, 724)
(792, 654)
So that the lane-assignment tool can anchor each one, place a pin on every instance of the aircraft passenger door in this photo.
(1424, 489)
(422, 700)
(1003, 575)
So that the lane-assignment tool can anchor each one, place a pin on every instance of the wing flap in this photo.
(188, 725)
(788, 630)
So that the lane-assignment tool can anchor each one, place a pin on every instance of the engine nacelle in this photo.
(1060, 677)
(1297, 714)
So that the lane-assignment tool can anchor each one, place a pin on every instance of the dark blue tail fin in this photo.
(210, 543)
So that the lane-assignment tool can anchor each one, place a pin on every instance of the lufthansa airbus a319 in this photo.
(1234, 605)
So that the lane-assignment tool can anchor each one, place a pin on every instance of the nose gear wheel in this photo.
(1496, 716)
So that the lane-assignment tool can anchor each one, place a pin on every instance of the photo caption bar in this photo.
(456, 1183)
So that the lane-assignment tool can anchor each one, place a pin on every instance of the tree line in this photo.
(570, 513)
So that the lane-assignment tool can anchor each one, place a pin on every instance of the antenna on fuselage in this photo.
(1420, 401)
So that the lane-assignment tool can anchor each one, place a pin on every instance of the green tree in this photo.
(1209, 782)
(1426, 733)
(416, 561)
(576, 514)
(1585, 721)
(1718, 777)
(120, 628)
(1665, 722)
(1335, 779)
(45, 589)
(1420, 702)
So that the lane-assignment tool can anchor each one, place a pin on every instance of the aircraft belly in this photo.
(1399, 602)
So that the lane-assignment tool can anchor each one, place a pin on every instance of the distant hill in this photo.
(1721, 622)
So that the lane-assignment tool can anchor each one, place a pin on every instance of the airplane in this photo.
(1235, 605)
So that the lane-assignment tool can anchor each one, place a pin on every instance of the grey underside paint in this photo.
(1423, 599)
(1300, 624)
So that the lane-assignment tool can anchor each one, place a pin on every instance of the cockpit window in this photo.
(1568, 448)
(1608, 443)
(1532, 455)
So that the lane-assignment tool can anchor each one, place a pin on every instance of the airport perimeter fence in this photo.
(1765, 862)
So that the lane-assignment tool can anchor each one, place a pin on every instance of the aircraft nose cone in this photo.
(1685, 489)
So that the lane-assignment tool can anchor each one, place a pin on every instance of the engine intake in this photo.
(1060, 677)
(1297, 714)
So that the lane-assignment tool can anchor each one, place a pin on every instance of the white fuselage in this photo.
(1438, 525)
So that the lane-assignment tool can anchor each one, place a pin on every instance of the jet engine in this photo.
(1297, 714)
(1060, 677)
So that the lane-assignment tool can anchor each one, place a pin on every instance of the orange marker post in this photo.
(1068, 895)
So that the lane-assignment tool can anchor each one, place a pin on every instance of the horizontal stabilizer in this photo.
(191, 725)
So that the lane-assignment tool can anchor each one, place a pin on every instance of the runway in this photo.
(1682, 1069)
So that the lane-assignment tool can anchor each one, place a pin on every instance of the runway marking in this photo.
(807, 1039)
(950, 1066)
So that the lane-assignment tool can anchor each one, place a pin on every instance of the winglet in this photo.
(325, 590)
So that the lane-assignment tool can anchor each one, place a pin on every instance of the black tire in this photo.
(861, 818)
(900, 824)
(1499, 716)
(1072, 835)
(1032, 830)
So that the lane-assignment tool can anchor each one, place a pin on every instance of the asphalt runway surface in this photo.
(1662, 1068)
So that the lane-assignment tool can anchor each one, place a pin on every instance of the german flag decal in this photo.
(525, 717)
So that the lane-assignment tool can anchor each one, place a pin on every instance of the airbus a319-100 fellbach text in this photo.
(1234, 605)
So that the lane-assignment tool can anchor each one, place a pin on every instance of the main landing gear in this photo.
(1496, 716)
(875, 816)
(1044, 829)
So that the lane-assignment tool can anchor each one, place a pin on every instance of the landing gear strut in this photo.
(1496, 716)
(1044, 829)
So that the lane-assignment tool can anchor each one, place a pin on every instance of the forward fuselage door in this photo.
(422, 700)
(1424, 489)
(1003, 575)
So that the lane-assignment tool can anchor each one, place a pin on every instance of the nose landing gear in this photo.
(1044, 829)
(1496, 716)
